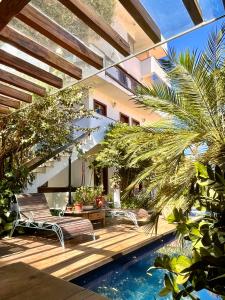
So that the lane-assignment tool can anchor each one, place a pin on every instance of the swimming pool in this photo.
(126, 277)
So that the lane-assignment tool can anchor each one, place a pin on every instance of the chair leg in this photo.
(93, 236)
(13, 229)
(59, 233)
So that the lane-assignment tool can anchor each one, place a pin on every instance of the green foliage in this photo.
(114, 154)
(192, 127)
(11, 184)
(35, 130)
(205, 268)
(87, 194)
(140, 200)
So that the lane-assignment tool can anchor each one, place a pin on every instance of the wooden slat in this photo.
(9, 9)
(9, 102)
(25, 44)
(143, 19)
(40, 22)
(95, 22)
(77, 259)
(4, 109)
(22, 83)
(29, 69)
(14, 93)
(194, 11)
(20, 281)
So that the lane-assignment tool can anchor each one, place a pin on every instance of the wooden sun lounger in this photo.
(33, 212)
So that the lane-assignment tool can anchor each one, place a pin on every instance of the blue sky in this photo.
(196, 39)
(172, 18)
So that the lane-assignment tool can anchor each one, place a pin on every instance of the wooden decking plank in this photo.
(15, 279)
(77, 259)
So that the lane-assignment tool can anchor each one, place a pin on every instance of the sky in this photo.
(172, 18)
(196, 39)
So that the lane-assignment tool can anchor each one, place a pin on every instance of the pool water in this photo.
(126, 278)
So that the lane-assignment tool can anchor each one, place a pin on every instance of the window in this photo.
(100, 108)
(135, 122)
(124, 118)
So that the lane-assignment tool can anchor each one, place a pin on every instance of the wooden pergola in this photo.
(10, 96)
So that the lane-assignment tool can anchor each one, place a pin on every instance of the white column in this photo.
(116, 198)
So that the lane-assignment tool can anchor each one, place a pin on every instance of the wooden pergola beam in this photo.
(143, 19)
(14, 93)
(194, 11)
(95, 22)
(25, 44)
(223, 3)
(4, 109)
(40, 22)
(9, 9)
(29, 69)
(22, 83)
(9, 102)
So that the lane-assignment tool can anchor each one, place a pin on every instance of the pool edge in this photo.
(119, 254)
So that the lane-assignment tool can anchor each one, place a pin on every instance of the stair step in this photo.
(40, 170)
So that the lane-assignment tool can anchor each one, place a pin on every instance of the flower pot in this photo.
(69, 208)
(88, 207)
(78, 207)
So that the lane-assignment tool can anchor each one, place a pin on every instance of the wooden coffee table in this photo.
(94, 215)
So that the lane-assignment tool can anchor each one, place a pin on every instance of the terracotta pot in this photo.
(78, 207)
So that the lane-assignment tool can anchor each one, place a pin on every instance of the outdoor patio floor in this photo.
(81, 254)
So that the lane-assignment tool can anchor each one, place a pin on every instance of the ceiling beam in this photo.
(224, 3)
(9, 102)
(4, 109)
(40, 22)
(29, 69)
(143, 19)
(95, 22)
(14, 93)
(194, 11)
(25, 44)
(9, 9)
(22, 83)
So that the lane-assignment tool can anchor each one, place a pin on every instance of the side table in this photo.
(94, 215)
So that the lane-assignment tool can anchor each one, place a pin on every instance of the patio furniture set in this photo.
(33, 212)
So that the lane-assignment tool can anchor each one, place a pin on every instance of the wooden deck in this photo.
(80, 255)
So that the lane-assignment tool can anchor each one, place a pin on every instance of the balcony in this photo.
(123, 78)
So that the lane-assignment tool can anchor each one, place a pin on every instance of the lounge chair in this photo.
(135, 216)
(33, 212)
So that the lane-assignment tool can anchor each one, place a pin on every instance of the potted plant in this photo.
(99, 198)
(84, 198)
(78, 200)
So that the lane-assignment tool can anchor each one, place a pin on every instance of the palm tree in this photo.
(192, 127)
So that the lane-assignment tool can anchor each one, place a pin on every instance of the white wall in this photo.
(118, 102)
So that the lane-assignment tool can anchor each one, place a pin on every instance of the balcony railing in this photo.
(123, 78)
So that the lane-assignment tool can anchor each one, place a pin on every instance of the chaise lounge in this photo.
(33, 212)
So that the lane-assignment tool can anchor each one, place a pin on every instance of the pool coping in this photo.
(109, 259)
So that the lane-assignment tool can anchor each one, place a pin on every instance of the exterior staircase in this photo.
(45, 170)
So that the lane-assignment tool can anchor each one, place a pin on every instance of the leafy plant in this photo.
(192, 127)
(34, 131)
(87, 194)
(205, 268)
